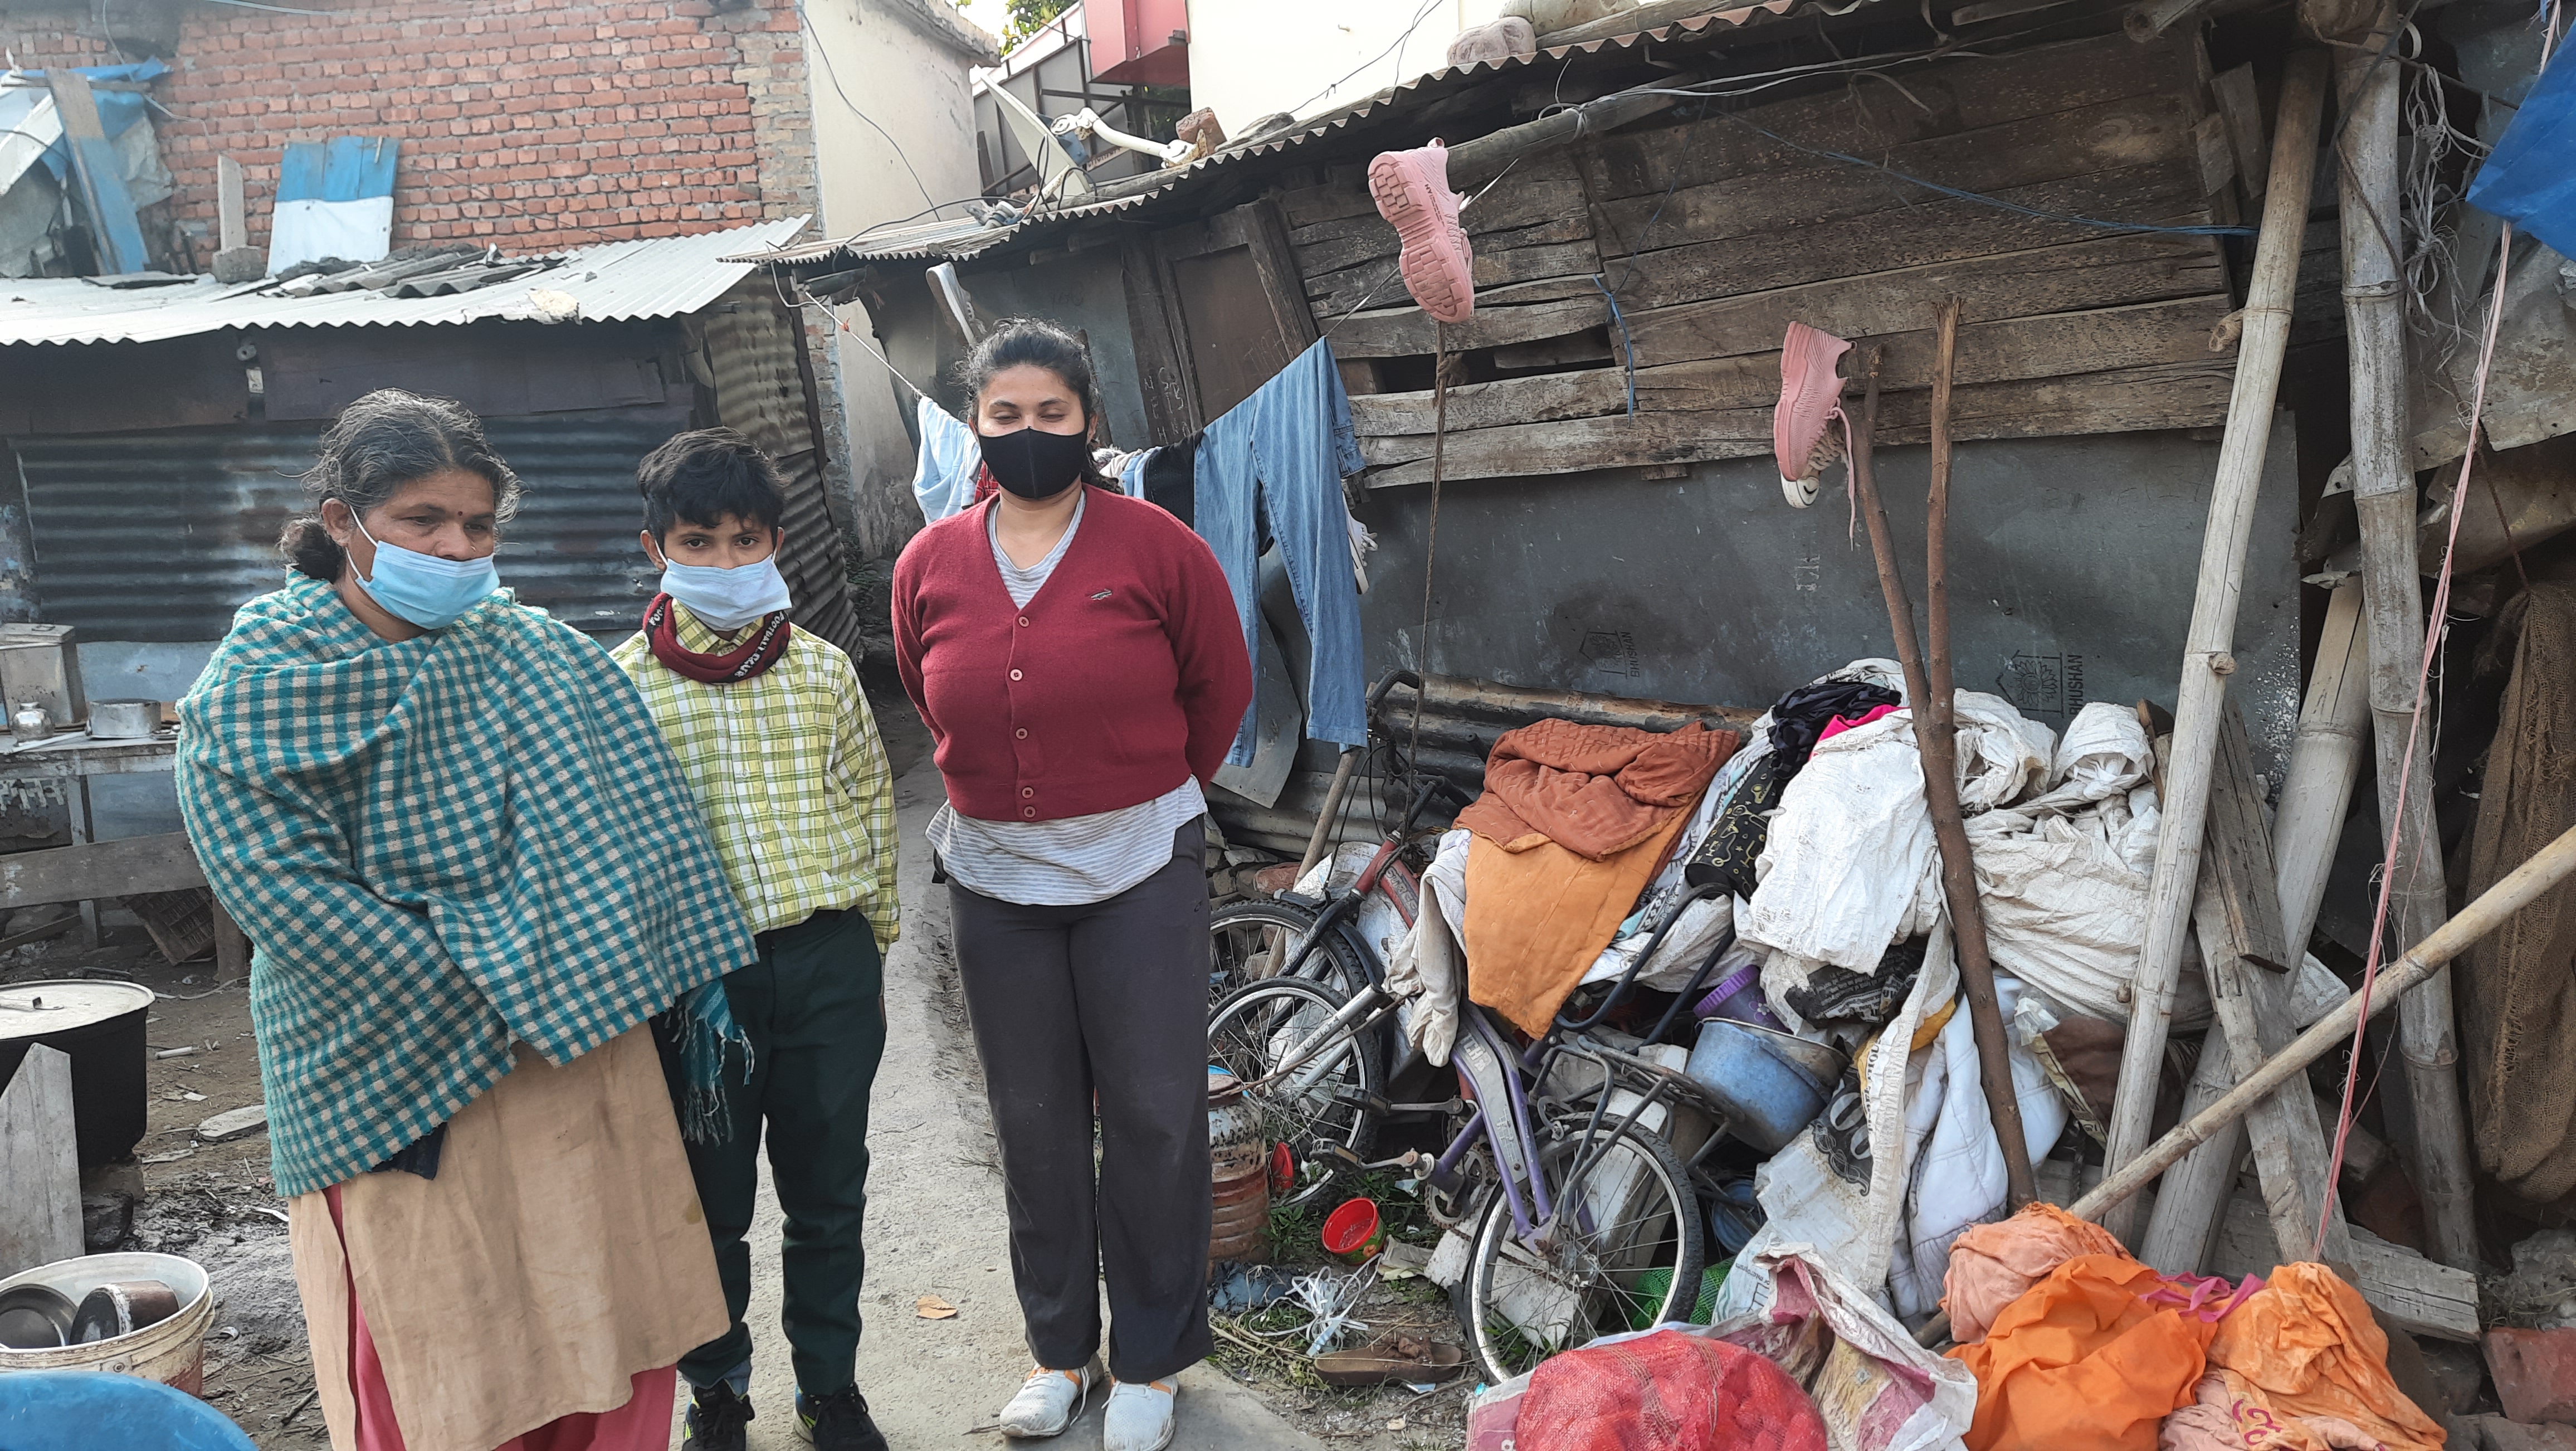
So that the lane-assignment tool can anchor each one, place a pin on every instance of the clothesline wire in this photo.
(842, 326)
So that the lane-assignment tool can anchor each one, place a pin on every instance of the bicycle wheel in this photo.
(1624, 1254)
(1251, 942)
(1256, 1030)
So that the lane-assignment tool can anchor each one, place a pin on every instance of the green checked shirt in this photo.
(790, 772)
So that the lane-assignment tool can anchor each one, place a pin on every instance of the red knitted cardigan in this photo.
(1125, 674)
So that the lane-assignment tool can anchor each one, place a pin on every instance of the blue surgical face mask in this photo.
(428, 591)
(726, 599)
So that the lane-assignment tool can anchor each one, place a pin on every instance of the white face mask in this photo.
(727, 599)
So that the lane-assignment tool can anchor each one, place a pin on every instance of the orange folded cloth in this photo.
(2307, 1348)
(1594, 790)
(1540, 906)
(2083, 1359)
(1993, 1264)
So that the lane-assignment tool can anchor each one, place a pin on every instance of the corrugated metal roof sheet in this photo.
(616, 281)
(92, 497)
(965, 239)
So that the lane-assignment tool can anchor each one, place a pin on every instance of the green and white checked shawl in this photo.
(439, 848)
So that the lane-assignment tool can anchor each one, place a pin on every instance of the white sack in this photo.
(1848, 844)
(1831, 1187)
(1957, 1177)
(1428, 967)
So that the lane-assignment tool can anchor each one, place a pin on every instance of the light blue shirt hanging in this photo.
(944, 477)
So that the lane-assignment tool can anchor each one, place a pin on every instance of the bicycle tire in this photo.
(1600, 1305)
(1248, 1036)
(1250, 942)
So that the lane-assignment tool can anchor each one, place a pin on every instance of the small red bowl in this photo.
(1353, 1231)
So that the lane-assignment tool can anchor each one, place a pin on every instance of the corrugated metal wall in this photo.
(752, 347)
(161, 535)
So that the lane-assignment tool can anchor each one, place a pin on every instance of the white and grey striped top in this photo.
(1080, 859)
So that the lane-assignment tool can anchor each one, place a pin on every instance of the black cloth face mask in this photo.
(1033, 463)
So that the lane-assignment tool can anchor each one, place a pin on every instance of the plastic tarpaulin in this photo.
(334, 199)
(2527, 179)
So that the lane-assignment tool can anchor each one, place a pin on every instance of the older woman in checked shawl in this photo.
(470, 873)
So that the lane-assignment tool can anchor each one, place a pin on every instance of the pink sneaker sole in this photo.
(1411, 189)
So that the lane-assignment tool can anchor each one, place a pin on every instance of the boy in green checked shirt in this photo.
(770, 727)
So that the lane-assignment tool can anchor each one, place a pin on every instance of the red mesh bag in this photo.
(1666, 1392)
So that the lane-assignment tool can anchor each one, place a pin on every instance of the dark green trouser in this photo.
(814, 1011)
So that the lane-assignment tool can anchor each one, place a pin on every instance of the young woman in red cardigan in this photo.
(1077, 656)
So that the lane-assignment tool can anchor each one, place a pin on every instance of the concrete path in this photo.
(936, 1227)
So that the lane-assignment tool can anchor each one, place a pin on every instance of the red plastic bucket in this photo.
(1353, 1231)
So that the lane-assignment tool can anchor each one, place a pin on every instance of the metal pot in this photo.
(124, 720)
(1771, 1084)
(99, 1025)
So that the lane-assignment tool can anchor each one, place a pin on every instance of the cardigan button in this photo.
(1024, 622)
(1030, 812)
(1022, 733)
(1027, 791)
(1015, 675)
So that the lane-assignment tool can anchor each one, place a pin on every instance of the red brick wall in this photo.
(536, 124)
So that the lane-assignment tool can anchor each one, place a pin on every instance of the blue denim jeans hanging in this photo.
(1281, 455)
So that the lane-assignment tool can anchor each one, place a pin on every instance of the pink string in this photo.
(2414, 728)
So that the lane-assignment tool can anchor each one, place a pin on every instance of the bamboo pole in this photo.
(2546, 869)
(2325, 757)
(2383, 489)
(2206, 661)
(1935, 740)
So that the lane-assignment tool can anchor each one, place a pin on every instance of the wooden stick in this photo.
(2324, 759)
(2206, 661)
(2546, 869)
(1322, 841)
(2383, 486)
(1937, 746)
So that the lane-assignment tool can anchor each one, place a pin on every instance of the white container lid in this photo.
(38, 1009)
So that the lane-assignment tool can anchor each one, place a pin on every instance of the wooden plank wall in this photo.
(1716, 237)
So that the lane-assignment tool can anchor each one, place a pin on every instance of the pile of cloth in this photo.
(2075, 1343)
(1814, 833)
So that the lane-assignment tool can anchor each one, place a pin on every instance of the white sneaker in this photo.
(1139, 1417)
(1048, 1401)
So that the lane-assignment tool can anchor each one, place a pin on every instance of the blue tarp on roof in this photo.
(117, 110)
(2529, 179)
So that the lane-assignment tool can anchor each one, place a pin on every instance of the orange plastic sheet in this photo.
(1992, 1264)
(2085, 1358)
(2305, 1349)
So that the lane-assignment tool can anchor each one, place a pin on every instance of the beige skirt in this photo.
(560, 1250)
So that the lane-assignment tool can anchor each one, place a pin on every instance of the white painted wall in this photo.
(916, 88)
(1249, 58)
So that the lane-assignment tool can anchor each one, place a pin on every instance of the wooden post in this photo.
(2206, 661)
(40, 1209)
(1939, 753)
(232, 228)
(2546, 869)
(1321, 843)
(2238, 918)
(2325, 758)
(2383, 487)
(232, 949)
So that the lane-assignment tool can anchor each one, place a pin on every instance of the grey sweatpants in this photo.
(1107, 999)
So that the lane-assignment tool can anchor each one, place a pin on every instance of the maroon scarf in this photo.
(741, 663)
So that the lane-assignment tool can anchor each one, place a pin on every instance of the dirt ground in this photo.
(935, 1222)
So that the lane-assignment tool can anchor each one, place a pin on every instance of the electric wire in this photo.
(1418, 17)
(834, 75)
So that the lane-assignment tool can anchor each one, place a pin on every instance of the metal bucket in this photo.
(172, 1352)
(1239, 1174)
(1771, 1084)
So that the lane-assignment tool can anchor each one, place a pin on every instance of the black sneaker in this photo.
(838, 1422)
(715, 1421)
